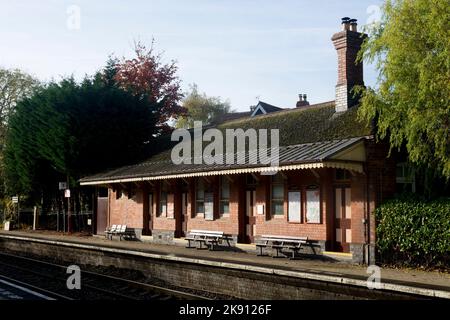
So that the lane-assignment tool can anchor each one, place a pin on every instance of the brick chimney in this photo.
(302, 101)
(348, 43)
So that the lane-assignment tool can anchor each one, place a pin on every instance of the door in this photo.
(102, 214)
(150, 213)
(184, 199)
(250, 218)
(343, 219)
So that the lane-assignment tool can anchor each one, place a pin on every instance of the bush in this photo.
(414, 232)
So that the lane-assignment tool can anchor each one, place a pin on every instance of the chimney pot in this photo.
(302, 101)
(305, 97)
(345, 23)
(354, 25)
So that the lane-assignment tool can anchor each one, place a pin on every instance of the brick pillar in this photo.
(350, 73)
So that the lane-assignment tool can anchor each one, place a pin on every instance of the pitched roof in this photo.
(307, 134)
(318, 122)
(310, 153)
(265, 107)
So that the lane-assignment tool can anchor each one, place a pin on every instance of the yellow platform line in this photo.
(342, 254)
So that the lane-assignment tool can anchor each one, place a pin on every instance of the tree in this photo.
(410, 106)
(200, 107)
(146, 75)
(68, 130)
(14, 86)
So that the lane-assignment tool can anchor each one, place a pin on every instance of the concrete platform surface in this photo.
(429, 283)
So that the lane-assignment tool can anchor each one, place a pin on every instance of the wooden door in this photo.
(150, 213)
(343, 219)
(102, 214)
(250, 218)
(184, 212)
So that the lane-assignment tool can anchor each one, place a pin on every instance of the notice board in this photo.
(294, 209)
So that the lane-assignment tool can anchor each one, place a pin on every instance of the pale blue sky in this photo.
(236, 49)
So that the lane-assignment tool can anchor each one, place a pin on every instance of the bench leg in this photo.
(261, 253)
(189, 245)
(294, 252)
(277, 254)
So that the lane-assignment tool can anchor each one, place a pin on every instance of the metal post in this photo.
(68, 215)
(34, 217)
(18, 215)
(68, 205)
(64, 218)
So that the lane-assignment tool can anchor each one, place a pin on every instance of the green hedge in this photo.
(414, 232)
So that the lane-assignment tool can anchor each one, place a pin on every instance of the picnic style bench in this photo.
(294, 244)
(120, 230)
(110, 231)
(209, 238)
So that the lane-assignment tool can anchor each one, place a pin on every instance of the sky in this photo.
(240, 50)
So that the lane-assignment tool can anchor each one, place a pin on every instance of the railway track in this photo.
(51, 278)
(14, 289)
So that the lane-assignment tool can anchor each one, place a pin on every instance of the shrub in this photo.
(414, 232)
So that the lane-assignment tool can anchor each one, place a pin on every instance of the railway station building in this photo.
(332, 174)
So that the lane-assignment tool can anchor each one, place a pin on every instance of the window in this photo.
(163, 204)
(163, 199)
(204, 199)
(200, 197)
(405, 178)
(277, 195)
(224, 196)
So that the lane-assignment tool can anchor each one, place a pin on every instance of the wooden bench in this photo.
(294, 244)
(122, 231)
(110, 231)
(209, 238)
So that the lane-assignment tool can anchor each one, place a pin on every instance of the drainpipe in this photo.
(367, 220)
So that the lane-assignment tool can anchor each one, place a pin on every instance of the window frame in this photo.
(197, 213)
(207, 188)
(406, 179)
(222, 199)
(162, 213)
(273, 183)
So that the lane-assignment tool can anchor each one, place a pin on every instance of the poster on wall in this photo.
(209, 206)
(170, 205)
(313, 206)
(294, 209)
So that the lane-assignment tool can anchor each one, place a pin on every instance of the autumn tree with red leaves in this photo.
(147, 76)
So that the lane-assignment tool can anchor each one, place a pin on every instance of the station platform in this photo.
(322, 268)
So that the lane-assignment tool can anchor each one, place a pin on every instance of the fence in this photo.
(79, 222)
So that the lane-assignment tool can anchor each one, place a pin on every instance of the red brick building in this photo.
(331, 176)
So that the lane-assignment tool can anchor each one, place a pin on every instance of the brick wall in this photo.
(126, 210)
(279, 224)
(227, 223)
